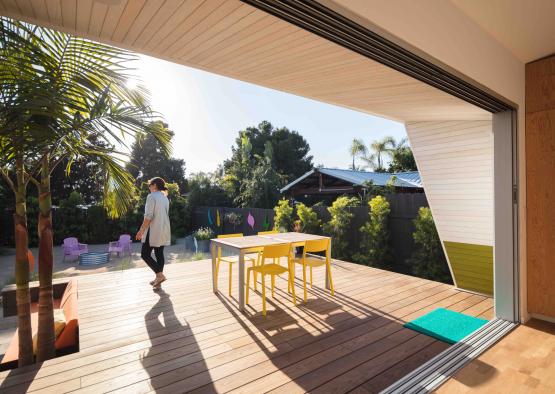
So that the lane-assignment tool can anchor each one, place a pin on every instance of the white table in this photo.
(243, 245)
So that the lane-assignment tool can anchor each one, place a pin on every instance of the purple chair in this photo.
(122, 245)
(72, 247)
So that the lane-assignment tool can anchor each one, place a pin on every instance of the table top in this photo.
(294, 237)
(255, 241)
(248, 242)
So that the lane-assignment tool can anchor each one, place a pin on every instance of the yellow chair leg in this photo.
(311, 277)
(263, 295)
(304, 281)
(292, 286)
(230, 272)
(217, 270)
(255, 280)
(248, 288)
(328, 265)
(273, 284)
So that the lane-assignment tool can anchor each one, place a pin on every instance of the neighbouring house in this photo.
(329, 183)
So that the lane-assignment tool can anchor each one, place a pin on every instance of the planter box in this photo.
(203, 246)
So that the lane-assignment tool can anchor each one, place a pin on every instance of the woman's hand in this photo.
(139, 235)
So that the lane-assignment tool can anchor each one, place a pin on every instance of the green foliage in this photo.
(149, 159)
(374, 247)
(203, 234)
(428, 259)
(283, 218)
(204, 190)
(261, 189)
(309, 222)
(263, 160)
(199, 256)
(339, 225)
(402, 160)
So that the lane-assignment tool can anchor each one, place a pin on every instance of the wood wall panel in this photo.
(540, 186)
(236, 40)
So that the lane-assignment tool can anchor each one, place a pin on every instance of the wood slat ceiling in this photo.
(236, 40)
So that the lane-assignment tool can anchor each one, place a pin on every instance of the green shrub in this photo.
(339, 225)
(428, 260)
(309, 222)
(203, 234)
(283, 218)
(374, 246)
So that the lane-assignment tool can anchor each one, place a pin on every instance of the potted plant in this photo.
(202, 239)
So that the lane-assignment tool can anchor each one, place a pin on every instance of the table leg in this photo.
(327, 272)
(241, 280)
(213, 250)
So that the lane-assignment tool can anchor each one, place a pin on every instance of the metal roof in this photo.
(409, 179)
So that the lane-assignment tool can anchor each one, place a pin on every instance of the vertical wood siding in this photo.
(455, 160)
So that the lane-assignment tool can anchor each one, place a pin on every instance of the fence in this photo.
(404, 209)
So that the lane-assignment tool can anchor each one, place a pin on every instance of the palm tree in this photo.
(379, 148)
(89, 102)
(18, 135)
(357, 149)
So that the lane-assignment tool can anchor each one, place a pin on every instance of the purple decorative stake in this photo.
(250, 220)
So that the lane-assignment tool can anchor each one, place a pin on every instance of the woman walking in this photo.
(155, 231)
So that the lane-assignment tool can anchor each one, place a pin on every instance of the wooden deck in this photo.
(186, 338)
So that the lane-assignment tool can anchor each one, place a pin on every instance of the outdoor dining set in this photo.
(264, 253)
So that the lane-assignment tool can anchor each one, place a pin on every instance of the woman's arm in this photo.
(149, 214)
(144, 226)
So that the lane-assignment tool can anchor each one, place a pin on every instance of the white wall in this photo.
(441, 32)
(455, 160)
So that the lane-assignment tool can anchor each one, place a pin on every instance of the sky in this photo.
(206, 111)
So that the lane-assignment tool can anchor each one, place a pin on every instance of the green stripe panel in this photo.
(472, 266)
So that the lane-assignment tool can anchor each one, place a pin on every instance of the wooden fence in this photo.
(404, 209)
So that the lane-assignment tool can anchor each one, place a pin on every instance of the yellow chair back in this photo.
(268, 232)
(230, 235)
(316, 245)
(276, 251)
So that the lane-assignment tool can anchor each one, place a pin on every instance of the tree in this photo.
(290, 158)
(85, 177)
(402, 158)
(375, 249)
(357, 149)
(283, 218)
(204, 189)
(148, 159)
(339, 225)
(85, 100)
(379, 148)
(428, 259)
(261, 189)
(309, 222)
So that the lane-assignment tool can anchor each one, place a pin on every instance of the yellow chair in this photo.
(233, 259)
(268, 233)
(320, 245)
(272, 252)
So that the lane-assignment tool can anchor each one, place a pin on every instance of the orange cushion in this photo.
(69, 335)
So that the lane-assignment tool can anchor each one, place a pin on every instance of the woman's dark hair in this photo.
(159, 182)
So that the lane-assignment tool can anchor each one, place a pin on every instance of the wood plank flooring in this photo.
(522, 362)
(187, 339)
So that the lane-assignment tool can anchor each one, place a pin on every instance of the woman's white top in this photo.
(156, 209)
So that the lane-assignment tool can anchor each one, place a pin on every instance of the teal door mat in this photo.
(446, 325)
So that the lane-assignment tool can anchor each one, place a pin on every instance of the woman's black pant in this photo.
(146, 253)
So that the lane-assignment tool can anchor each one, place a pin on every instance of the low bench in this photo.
(68, 340)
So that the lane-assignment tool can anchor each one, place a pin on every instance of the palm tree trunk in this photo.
(45, 337)
(23, 297)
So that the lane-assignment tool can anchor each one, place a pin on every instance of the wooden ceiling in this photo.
(233, 39)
